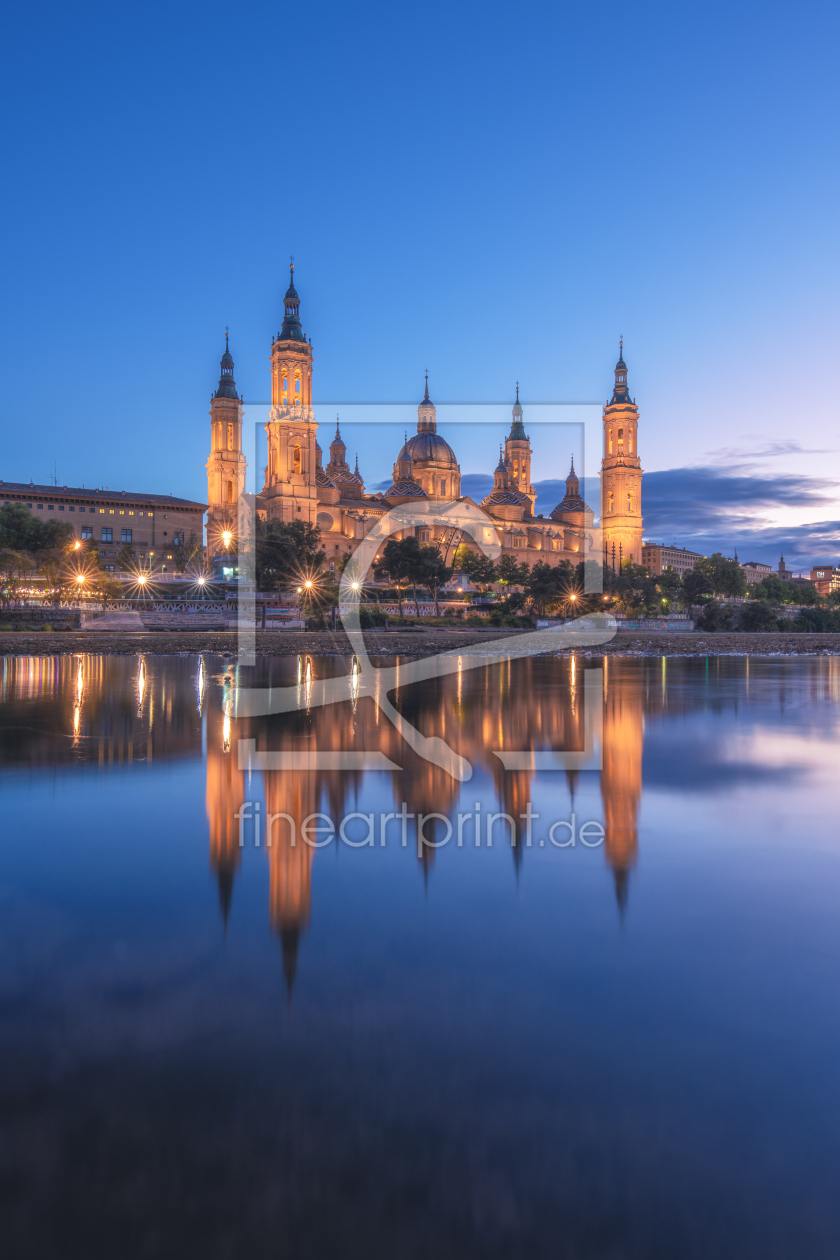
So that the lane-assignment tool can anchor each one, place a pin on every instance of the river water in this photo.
(604, 1026)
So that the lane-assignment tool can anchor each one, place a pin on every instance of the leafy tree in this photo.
(402, 559)
(717, 617)
(21, 531)
(435, 572)
(125, 559)
(808, 595)
(669, 584)
(14, 567)
(758, 615)
(478, 567)
(727, 576)
(772, 589)
(813, 620)
(286, 553)
(510, 573)
(547, 585)
(696, 586)
(184, 551)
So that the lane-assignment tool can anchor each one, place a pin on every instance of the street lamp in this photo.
(226, 537)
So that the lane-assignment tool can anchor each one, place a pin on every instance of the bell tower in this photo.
(518, 453)
(621, 474)
(226, 465)
(289, 493)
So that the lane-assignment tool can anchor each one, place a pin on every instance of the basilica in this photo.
(299, 486)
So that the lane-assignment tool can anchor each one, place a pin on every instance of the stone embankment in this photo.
(405, 642)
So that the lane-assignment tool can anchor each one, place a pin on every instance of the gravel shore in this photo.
(403, 643)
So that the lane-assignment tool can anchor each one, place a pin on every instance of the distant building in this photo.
(621, 475)
(826, 578)
(153, 525)
(755, 571)
(656, 558)
(784, 574)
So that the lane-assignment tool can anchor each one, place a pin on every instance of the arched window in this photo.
(297, 385)
(629, 503)
(630, 442)
(230, 437)
(229, 492)
(296, 460)
(443, 486)
(611, 503)
(621, 441)
(610, 442)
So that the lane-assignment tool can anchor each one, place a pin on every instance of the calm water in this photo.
(626, 1050)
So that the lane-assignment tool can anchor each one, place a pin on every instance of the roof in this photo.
(406, 490)
(428, 446)
(59, 493)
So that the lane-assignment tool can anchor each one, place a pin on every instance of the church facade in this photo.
(299, 486)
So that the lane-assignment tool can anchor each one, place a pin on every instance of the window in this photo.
(40, 507)
(517, 542)
(228, 492)
(109, 568)
(230, 437)
(610, 442)
(297, 384)
(61, 507)
(107, 534)
(126, 535)
(72, 509)
(101, 511)
(442, 485)
(621, 441)
(87, 532)
(296, 460)
(131, 513)
(629, 443)
(50, 507)
(178, 539)
(611, 503)
(629, 504)
(555, 544)
(150, 513)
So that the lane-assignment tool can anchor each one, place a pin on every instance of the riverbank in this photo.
(421, 642)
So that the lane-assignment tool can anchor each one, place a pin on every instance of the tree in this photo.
(510, 573)
(478, 567)
(773, 589)
(403, 561)
(286, 553)
(669, 584)
(126, 558)
(696, 586)
(546, 584)
(727, 576)
(807, 595)
(436, 573)
(717, 617)
(14, 567)
(21, 531)
(185, 552)
(758, 615)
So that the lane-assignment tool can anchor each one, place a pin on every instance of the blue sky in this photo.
(494, 192)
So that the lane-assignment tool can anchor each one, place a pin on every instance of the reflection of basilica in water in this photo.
(109, 711)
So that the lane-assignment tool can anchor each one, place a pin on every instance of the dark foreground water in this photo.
(624, 1050)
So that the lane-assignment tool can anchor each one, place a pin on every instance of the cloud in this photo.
(706, 509)
(741, 457)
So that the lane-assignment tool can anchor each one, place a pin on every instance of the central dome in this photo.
(430, 446)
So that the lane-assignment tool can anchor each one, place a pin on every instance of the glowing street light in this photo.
(226, 537)
(308, 584)
(142, 579)
(201, 581)
(80, 579)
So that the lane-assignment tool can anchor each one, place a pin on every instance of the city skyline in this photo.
(703, 233)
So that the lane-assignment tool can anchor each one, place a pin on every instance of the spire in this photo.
(227, 385)
(517, 428)
(291, 330)
(426, 414)
(621, 394)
